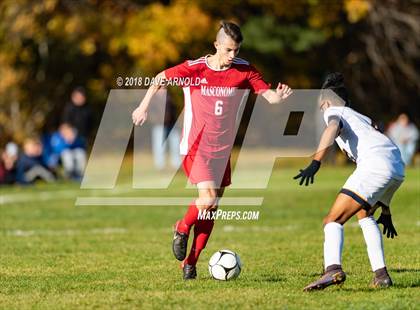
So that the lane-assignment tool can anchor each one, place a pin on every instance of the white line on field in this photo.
(232, 228)
(162, 201)
(57, 195)
(66, 232)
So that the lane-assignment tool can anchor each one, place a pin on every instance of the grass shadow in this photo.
(416, 283)
(402, 270)
(272, 278)
(267, 278)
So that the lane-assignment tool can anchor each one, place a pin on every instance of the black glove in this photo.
(389, 229)
(308, 173)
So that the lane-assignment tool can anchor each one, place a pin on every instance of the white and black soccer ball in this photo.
(225, 265)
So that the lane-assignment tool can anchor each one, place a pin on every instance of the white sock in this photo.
(333, 244)
(373, 239)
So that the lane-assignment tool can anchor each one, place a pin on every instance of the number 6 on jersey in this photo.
(218, 107)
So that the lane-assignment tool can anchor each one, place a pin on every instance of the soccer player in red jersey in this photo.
(214, 87)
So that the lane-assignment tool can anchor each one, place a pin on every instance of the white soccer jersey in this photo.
(370, 149)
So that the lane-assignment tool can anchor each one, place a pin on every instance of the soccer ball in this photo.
(225, 265)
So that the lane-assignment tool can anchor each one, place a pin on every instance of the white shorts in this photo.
(368, 188)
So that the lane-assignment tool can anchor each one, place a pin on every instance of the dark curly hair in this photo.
(335, 82)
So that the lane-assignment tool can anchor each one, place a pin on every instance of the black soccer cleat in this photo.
(382, 280)
(179, 244)
(190, 272)
(333, 277)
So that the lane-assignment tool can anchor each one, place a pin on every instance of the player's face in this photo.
(227, 50)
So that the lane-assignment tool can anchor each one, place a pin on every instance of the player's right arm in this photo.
(307, 175)
(139, 115)
(182, 70)
(327, 138)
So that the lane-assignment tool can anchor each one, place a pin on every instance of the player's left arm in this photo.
(259, 86)
(327, 139)
(281, 93)
(386, 220)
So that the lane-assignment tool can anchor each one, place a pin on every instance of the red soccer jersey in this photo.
(212, 100)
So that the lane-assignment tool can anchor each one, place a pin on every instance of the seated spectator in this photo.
(8, 163)
(67, 147)
(405, 135)
(30, 166)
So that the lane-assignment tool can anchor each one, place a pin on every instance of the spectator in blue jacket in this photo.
(30, 165)
(67, 147)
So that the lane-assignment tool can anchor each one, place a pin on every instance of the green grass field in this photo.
(55, 255)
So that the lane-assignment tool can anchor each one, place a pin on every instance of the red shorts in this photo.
(199, 169)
